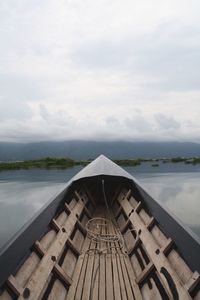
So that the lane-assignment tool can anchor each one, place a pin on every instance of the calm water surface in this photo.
(24, 192)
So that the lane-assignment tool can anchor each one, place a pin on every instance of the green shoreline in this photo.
(66, 162)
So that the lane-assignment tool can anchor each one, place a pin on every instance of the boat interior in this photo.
(102, 243)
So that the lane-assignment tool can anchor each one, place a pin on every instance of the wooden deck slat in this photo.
(121, 278)
(116, 283)
(109, 278)
(95, 278)
(135, 287)
(119, 267)
(126, 278)
(77, 272)
(102, 277)
(88, 285)
(159, 259)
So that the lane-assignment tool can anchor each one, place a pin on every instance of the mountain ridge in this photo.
(80, 149)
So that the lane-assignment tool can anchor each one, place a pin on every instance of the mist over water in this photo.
(24, 192)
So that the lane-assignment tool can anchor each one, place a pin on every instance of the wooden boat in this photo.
(103, 237)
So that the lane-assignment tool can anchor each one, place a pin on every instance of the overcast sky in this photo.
(99, 69)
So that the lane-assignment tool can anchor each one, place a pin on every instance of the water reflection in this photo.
(19, 201)
(24, 192)
(179, 192)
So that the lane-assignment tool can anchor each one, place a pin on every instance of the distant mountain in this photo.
(91, 149)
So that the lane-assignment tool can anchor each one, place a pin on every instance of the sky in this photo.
(100, 70)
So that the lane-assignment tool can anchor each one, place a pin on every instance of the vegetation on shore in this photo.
(66, 162)
(128, 162)
(44, 163)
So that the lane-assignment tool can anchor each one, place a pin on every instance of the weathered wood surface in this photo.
(156, 249)
(66, 264)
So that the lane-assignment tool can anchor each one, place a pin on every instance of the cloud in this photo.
(166, 122)
(124, 70)
(139, 124)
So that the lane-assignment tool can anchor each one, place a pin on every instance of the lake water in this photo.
(24, 192)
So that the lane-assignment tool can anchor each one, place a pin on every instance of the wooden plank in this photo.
(39, 249)
(87, 212)
(67, 208)
(135, 264)
(193, 282)
(125, 226)
(27, 269)
(102, 267)
(143, 275)
(81, 227)
(81, 279)
(55, 225)
(37, 281)
(5, 295)
(151, 223)
(138, 207)
(109, 274)
(88, 285)
(128, 287)
(119, 252)
(14, 285)
(134, 247)
(179, 266)
(109, 277)
(102, 277)
(47, 239)
(157, 257)
(121, 278)
(61, 218)
(135, 288)
(76, 279)
(95, 278)
(62, 275)
(72, 203)
(128, 194)
(119, 211)
(59, 290)
(69, 262)
(168, 246)
(71, 245)
(133, 202)
(116, 284)
(150, 293)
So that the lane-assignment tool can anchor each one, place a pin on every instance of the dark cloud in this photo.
(166, 122)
